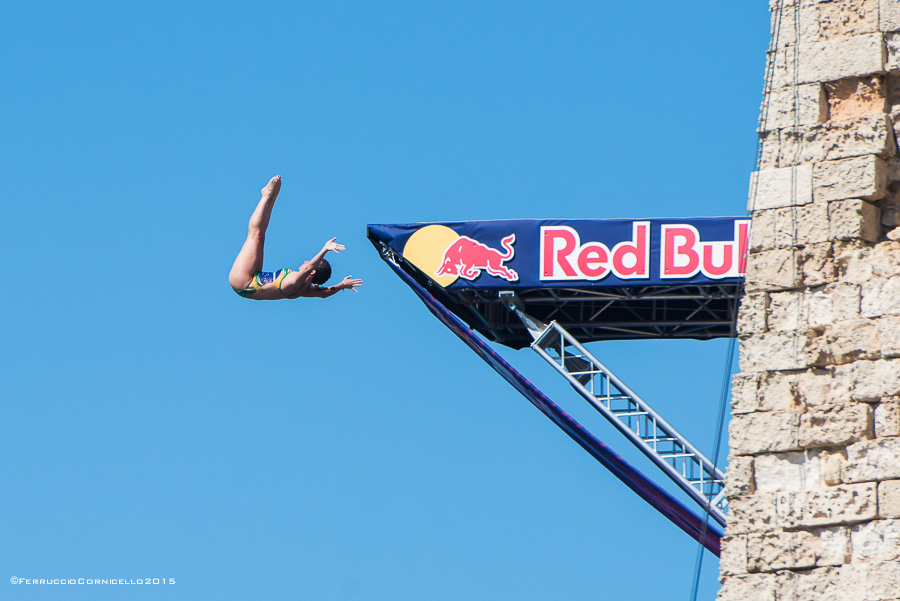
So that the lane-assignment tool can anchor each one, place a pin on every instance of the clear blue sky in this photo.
(154, 424)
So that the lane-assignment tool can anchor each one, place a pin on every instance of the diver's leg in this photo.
(250, 259)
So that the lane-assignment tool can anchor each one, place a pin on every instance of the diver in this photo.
(248, 279)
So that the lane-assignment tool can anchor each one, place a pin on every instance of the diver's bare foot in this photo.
(272, 188)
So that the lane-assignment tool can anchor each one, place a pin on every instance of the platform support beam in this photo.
(693, 472)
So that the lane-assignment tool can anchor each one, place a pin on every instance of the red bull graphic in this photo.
(467, 258)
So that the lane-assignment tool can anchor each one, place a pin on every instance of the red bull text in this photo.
(564, 257)
(683, 254)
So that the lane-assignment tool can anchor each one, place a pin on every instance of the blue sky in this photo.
(157, 425)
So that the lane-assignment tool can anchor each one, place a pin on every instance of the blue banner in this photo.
(534, 253)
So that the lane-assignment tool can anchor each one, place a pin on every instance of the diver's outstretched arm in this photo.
(347, 283)
(330, 245)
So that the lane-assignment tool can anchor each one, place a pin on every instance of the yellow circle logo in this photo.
(425, 249)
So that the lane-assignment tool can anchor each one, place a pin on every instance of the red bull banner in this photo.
(532, 253)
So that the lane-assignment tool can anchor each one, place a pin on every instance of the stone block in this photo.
(822, 584)
(816, 264)
(889, 336)
(813, 388)
(892, 51)
(889, 499)
(876, 541)
(773, 351)
(887, 418)
(830, 466)
(818, 351)
(792, 471)
(789, 226)
(812, 223)
(848, 582)
(885, 259)
(831, 303)
(849, 219)
(832, 506)
(770, 147)
(841, 58)
(781, 391)
(792, 11)
(889, 15)
(778, 392)
(834, 425)
(847, 19)
(790, 107)
(845, 341)
(866, 381)
(832, 547)
(733, 559)
(857, 177)
(781, 550)
(772, 228)
(764, 432)
(773, 270)
(787, 311)
(744, 398)
(852, 578)
(880, 581)
(853, 339)
(739, 479)
(750, 587)
(774, 188)
(752, 314)
(872, 460)
(880, 296)
(751, 513)
(852, 259)
(867, 135)
(855, 96)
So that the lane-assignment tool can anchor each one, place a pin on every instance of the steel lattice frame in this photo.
(626, 313)
(679, 459)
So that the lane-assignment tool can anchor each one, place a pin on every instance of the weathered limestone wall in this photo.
(814, 471)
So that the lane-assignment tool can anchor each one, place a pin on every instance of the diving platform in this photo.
(556, 285)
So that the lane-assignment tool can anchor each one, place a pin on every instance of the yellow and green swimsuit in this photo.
(262, 278)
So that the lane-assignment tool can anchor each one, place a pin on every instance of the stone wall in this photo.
(814, 470)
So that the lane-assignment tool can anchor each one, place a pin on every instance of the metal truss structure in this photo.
(627, 313)
(693, 472)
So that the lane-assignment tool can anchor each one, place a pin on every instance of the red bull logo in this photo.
(467, 258)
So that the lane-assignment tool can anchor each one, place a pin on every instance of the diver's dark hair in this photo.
(323, 272)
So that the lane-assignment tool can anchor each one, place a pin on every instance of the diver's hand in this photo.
(350, 284)
(333, 246)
